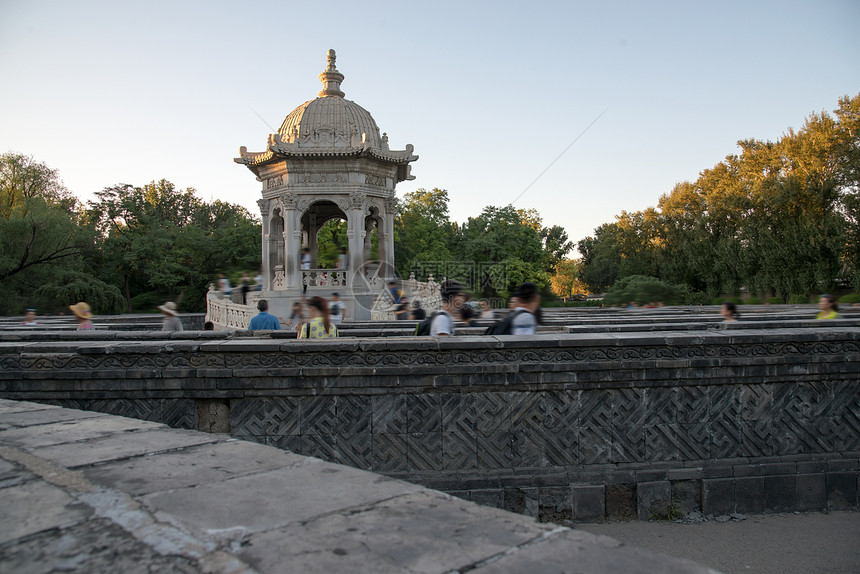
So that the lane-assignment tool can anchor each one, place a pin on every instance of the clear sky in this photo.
(489, 93)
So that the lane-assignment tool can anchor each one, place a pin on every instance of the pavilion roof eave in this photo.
(398, 157)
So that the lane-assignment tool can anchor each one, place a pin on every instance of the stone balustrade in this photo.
(326, 278)
(227, 314)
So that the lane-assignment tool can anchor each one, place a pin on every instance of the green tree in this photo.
(508, 238)
(601, 258)
(779, 217)
(643, 290)
(158, 238)
(566, 280)
(43, 241)
(330, 239)
(422, 230)
(556, 246)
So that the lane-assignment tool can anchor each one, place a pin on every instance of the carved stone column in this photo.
(313, 243)
(264, 216)
(292, 241)
(386, 238)
(355, 237)
(368, 244)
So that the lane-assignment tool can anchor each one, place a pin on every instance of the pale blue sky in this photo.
(489, 93)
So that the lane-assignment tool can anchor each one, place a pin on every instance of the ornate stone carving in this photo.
(375, 181)
(279, 283)
(324, 178)
(356, 199)
(276, 181)
(342, 203)
(288, 199)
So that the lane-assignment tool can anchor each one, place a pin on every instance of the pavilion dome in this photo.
(330, 118)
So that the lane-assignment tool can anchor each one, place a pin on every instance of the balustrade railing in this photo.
(324, 278)
(227, 314)
(427, 294)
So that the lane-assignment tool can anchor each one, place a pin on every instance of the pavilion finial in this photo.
(331, 78)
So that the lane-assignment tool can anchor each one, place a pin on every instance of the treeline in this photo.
(129, 250)
(778, 219)
(491, 253)
(132, 248)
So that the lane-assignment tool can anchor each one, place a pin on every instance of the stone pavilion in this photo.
(327, 161)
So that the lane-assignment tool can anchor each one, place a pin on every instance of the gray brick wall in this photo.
(563, 427)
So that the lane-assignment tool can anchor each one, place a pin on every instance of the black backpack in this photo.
(423, 328)
(504, 326)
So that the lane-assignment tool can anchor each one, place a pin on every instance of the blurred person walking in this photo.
(319, 326)
(83, 314)
(171, 321)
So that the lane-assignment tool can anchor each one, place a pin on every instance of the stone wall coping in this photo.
(549, 341)
(184, 500)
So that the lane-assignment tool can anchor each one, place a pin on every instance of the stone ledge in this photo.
(179, 500)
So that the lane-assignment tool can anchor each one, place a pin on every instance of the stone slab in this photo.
(423, 532)
(12, 475)
(7, 406)
(589, 502)
(72, 431)
(36, 506)
(811, 492)
(841, 490)
(653, 499)
(191, 467)
(124, 445)
(718, 496)
(568, 551)
(28, 418)
(277, 498)
(95, 546)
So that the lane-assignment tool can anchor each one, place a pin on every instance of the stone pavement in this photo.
(88, 492)
(810, 542)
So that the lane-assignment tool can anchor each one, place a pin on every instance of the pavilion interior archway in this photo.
(324, 232)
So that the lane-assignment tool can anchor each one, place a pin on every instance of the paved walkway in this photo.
(808, 543)
(93, 493)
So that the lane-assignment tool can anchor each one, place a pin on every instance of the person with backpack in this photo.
(524, 321)
(521, 319)
(441, 323)
(338, 309)
(320, 325)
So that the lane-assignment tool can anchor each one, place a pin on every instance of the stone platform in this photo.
(89, 492)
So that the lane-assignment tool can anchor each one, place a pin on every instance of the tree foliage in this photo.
(493, 252)
(567, 278)
(157, 237)
(43, 242)
(422, 229)
(778, 218)
(643, 290)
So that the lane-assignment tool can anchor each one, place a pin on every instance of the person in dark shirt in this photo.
(402, 310)
(418, 313)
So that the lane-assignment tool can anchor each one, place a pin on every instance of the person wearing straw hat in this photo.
(171, 322)
(83, 314)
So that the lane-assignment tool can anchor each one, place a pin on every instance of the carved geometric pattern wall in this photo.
(437, 413)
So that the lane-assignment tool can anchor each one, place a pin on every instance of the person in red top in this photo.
(30, 318)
